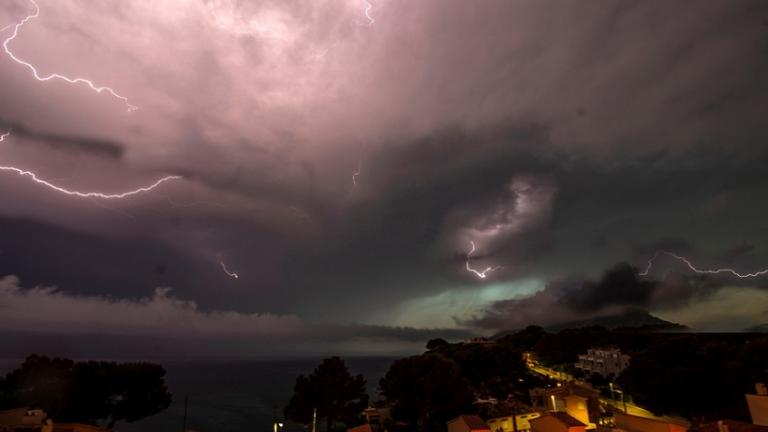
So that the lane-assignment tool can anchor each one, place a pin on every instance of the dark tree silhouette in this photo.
(495, 370)
(426, 391)
(524, 339)
(332, 390)
(697, 377)
(87, 392)
(437, 343)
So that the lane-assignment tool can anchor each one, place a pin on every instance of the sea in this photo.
(234, 395)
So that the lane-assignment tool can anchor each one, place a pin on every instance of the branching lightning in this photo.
(229, 273)
(100, 195)
(89, 83)
(695, 269)
(482, 274)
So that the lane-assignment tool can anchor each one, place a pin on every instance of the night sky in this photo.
(343, 160)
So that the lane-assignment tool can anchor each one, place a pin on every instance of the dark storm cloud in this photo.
(678, 290)
(671, 244)
(164, 318)
(619, 285)
(569, 299)
(68, 143)
(400, 233)
(86, 264)
(738, 251)
(619, 289)
(622, 122)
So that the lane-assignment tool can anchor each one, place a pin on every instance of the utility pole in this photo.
(314, 420)
(514, 418)
(184, 422)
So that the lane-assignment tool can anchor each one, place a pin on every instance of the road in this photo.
(627, 407)
(551, 373)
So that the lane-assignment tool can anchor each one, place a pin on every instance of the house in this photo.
(578, 401)
(758, 405)
(362, 428)
(25, 419)
(377, 417)
(35, 420)
(730, 426)
(633, 423)
(507, 424)
(603, 361)
(557, 422)
(468, 423)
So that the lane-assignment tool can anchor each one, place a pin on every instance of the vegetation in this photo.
(333, 391)
(86, 392)
(427, 390)
(700, 378)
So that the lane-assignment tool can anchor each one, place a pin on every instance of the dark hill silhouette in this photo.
(631, 320)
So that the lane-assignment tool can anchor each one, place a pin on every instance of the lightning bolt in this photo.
(368, 7)
(356, 173)
(694, 269)
(100, 195)
(482, 274)
(229, 273)
(89, 83)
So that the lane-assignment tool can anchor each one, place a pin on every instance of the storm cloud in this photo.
(163, 316)
(342, 168)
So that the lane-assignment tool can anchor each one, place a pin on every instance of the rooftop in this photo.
(733, 426)
(562, 417)
(474, 422)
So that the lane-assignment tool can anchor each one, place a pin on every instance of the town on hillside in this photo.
(588, 379)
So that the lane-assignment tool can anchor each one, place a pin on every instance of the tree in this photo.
(42, 383)
(524, 339)
(437, 343)
(87, 392)
(697, 377)
(330, 389)
(139, 391)
(426, 391)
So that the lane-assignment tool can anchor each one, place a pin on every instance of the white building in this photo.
(603, 361)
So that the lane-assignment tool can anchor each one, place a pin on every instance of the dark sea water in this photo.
(234, 395)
